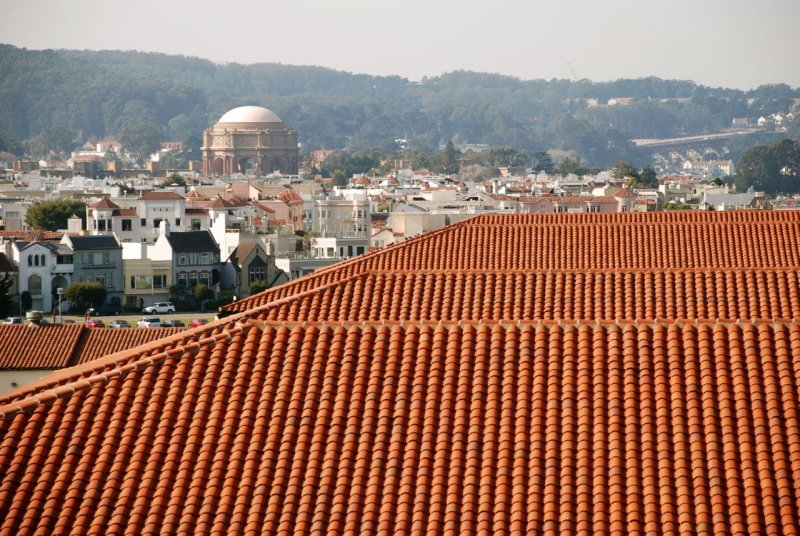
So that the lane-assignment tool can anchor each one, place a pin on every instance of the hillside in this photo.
(98, 94)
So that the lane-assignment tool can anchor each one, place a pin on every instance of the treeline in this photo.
(774, 169)
(101, 94)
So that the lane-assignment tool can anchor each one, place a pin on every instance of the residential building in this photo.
(194, 256)
(251, 263)
(98, 259)
(147, 281)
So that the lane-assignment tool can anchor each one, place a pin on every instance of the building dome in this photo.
(249, 114)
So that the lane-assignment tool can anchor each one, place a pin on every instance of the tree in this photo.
(174, 180)
(622, 169)
(85, 295)
(53, 215)
(574, 166)
(202, 293)
(774, 169)
(7, 306)
(141, 140)
(647, 178)
(543, 162)
(259, 286)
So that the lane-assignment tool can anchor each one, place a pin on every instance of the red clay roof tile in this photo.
(536, 386)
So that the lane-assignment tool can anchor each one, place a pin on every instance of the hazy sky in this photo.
(732, 43)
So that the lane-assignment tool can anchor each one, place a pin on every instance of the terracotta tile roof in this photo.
(104, 203)
(99, 342)
(160, 195)
(600, 241)
(31, 235)
(62, 345)
(293, 429)
(526, 295)
(129, 212)
(401, 421)
(38, 347)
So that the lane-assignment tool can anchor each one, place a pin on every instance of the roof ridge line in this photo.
(645, 322)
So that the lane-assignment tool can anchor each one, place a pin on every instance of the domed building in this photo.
(249, 139)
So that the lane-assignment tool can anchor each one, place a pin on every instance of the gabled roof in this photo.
(288, 195)
(159, 195)
(242, 252)
(189, 241)
(90, 243)
(625, 192)
(194, 194)
(104, 203)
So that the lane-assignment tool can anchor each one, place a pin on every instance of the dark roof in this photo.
(84, 243)
(187, 241)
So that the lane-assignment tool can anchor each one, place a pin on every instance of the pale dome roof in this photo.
(250, 114)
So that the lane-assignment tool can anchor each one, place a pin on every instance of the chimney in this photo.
(163, 227)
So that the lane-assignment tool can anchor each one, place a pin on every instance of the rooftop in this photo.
(432, 386)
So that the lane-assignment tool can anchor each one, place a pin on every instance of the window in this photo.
(100, 279)
(193, 279)
(205, 279)
(44, 260)
(560, 209)
(140, 282)
(177, 222)
(126, 225)
(30, 260)
(258, 273)
(64, 259)
(204, 258)
(182, 259)
(35, 284)
(156, 222)
(160, 281)
(101, 225)
(195, 224)
(593, 208)
(183, 279)
(144, 222)
(624, 208)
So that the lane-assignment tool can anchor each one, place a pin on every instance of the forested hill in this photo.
(99, 94)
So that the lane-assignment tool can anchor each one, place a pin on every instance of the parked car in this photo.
(107, 309)
(173, 323)
(159, 308)
(149, 322)
(94, 323)
(119, 324)
(13, 320)
(197, 322)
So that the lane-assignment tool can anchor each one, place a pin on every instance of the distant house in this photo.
(43, 266)
(248, 264)
(98, 259)
(194, 256)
